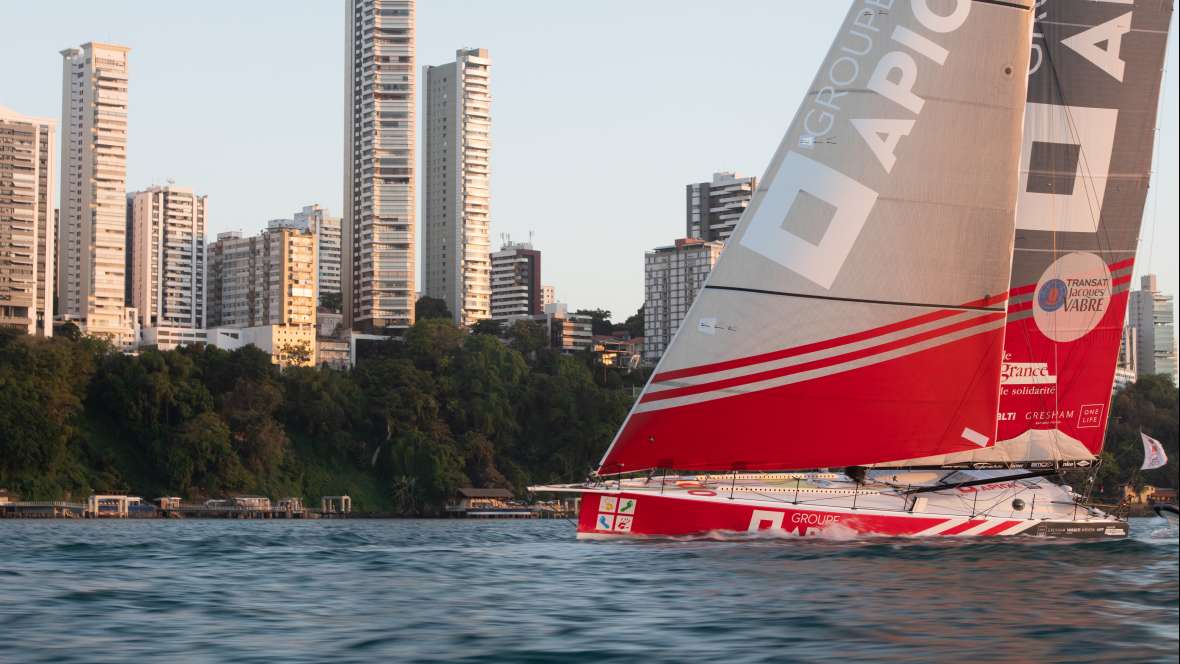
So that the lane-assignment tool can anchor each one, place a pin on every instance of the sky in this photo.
(602, 112)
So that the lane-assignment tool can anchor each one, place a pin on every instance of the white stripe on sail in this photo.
(817, 373)
(834, 351)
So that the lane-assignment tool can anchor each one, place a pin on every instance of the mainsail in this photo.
(857, 312)
(1093, 91)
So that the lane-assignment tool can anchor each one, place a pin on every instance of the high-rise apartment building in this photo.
(327, 232)
(266, 279)
(326, 229)
(167, 257)
(455, 194)
(516, 281)
(379, 142)
(27, 232)
(715, 207)
(1150, 317)
(548, 295)
(673, 275)
(92, 231)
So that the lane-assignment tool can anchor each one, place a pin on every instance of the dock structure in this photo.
(488, 504)
(335, 505)
(47, 509)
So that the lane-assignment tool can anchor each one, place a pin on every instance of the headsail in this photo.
(1088, 133)
(856, 314)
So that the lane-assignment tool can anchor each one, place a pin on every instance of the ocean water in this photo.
(526, 591)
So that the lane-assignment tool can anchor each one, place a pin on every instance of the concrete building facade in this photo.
(91, 240)
(378, 262)
(327, 233)
(266, 279)
(27, 232)
(714, 207)
(455, 193)
(516, 281)
(167, 257)
(1150, 316)
(672, 277)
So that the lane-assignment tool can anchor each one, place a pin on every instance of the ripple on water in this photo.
(526, 591)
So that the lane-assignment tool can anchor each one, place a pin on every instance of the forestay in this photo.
(856, 314)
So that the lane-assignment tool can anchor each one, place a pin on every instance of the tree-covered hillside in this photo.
(416, 419)
(412, 422)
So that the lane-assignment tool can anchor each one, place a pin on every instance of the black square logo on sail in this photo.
(1053, 168)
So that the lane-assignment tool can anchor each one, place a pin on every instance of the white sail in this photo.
(856, 314)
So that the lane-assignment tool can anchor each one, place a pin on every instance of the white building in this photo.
(455, 195)
(326, 228)
(167, 257)
(714, 207)
(287, 345)
(1126, 367)
(27, 173)
(377, 273)
(1150, 315)
(516, 281)
(672, 277)
(548, 295)
(92, 231)
(564, 331)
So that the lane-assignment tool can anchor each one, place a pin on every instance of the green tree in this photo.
(488, 326)
(634, 324)
(332, 301)
(527, 337)
(431, 307)
(600, 320)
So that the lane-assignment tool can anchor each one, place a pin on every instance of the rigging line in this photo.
(855, 300)
(1159, 132)
(1090, 195)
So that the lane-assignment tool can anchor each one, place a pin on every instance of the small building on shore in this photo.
(497, 503)
(1149, 494)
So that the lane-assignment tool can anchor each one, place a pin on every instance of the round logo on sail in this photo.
(1072, 296)
(1051, 296)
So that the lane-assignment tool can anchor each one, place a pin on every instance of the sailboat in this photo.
(926, 291)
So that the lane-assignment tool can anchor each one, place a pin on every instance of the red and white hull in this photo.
(822, 505)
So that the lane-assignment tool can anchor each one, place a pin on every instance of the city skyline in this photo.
(271, 140)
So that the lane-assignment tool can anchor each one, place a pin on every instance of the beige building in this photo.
(455, 193)
(27, 171)
(266, 279)
(287, 345)
(166, 252)
(378, 269)
(91, 240)
(673, 275)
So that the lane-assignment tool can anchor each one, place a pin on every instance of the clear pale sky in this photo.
(601, 111)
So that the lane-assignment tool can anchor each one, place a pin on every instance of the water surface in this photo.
(526, 591)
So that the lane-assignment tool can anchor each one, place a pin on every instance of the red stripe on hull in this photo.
(659, 516)
(962, 527)
(996, 530)
(907, 407)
